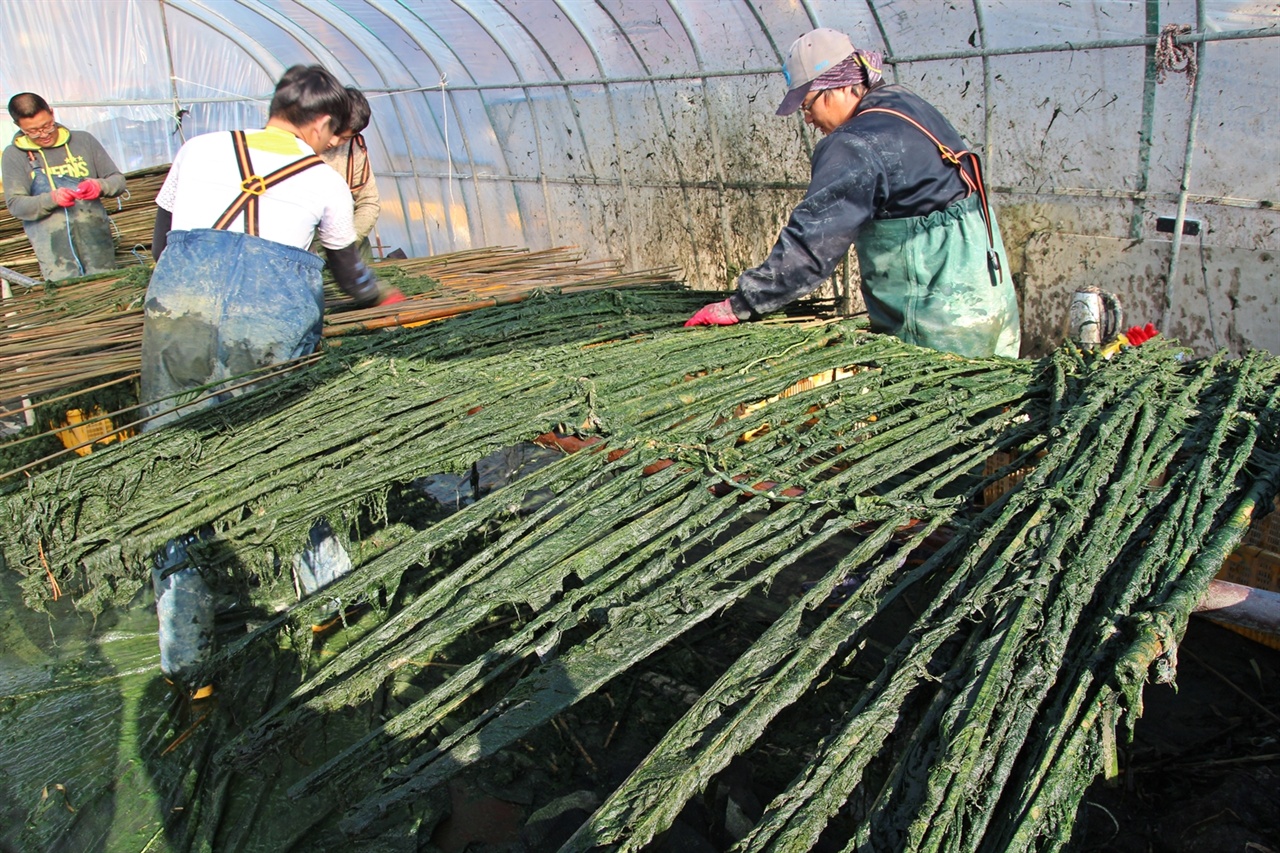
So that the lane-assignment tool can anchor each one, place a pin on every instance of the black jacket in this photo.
(872, 166)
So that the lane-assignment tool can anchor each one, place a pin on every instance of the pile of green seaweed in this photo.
(943, 671)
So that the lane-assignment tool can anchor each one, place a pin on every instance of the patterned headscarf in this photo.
(862, 68)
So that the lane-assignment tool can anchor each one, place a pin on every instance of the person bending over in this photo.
(892, 178)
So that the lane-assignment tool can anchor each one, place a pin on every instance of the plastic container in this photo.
(322, 561)
(184, 607)
(82, 435)
(1264, 533)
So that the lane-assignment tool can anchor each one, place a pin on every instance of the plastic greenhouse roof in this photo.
(640, 129)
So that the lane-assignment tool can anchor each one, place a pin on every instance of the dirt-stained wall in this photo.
(1222, 297)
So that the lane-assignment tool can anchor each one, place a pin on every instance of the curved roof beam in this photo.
(986, 80)
(253, 50)
(533, 108)
(370, 45)
(1193, 122)
(1146, 126)
(424, 36)
(884, 34)
(681, 180)
(716, 145)
(623, 182)
(299, 34)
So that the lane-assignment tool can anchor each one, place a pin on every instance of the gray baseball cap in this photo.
(813, 53)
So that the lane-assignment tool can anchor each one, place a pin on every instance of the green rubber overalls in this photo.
(941, 281)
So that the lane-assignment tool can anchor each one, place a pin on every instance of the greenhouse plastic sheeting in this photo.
(644, 130)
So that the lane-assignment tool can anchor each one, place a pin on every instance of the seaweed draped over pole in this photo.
(717, 462)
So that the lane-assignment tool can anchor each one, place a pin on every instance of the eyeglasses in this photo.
(807, 105)
(43, 130)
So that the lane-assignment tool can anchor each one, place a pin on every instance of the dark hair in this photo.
(305, 93)
(862, 88)
(360, 112)
(26, 105)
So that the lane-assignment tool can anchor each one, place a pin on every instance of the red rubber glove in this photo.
(715, 314)
(64, 197)
(1138, 336)
(88, 190)
(391, 296)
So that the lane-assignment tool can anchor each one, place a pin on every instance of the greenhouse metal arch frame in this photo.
(644, 131)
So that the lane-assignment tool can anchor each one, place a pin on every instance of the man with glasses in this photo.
(54, 180)
(893, 179)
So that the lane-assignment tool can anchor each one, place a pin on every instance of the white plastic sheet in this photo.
(644, 129)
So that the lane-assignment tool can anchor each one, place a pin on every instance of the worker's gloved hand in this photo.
(64, 197)
(715, 314)
(389, 295)
(88, 190)
(1138, 336)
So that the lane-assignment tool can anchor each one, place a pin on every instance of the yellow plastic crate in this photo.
(994, 463)
(81, 435)
(1264, 533)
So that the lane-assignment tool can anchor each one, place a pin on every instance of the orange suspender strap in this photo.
(975, 184)
(247, 199)
(357, 141)
(252, 185)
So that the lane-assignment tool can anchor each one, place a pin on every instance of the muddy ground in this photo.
(1202, 772)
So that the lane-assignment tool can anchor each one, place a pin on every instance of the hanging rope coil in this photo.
(1174, 57)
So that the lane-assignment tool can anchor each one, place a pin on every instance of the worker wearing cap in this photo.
(54, 179)
(893, 179)
(235, 288)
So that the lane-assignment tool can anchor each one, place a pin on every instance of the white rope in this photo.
(444, 114)
(227, 92)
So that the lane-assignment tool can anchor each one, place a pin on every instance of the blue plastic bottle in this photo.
(320, 563)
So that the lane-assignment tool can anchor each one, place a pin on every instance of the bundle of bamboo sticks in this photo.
(60, 337)
(480, 278)
(91, 328)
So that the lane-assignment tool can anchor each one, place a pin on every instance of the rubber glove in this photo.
(1138, 336)
(88, 190)
(64, 197)
(715, 314)
(390, 296)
